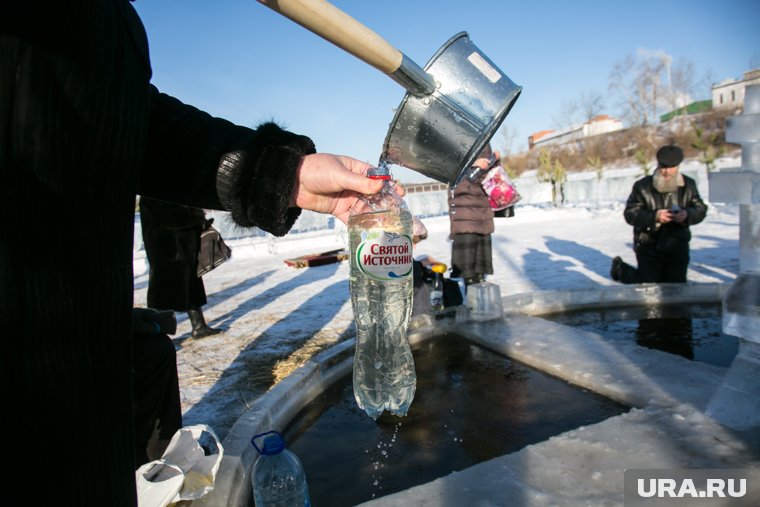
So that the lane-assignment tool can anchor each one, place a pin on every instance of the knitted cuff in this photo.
(255, 184)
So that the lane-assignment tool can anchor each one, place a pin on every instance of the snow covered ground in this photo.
(276, 317)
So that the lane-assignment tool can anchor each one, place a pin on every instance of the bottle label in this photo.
(384, 255)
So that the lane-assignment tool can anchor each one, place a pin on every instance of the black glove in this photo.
(150, 321)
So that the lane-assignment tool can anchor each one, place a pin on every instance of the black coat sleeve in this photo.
(207, 162)
(640, 210)
(694, 205)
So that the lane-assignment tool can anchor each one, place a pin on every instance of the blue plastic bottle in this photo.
(278, 478)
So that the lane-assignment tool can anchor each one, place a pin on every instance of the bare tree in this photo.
(625, 93)
(508, 138)
(552, 171)
(754, 61)
(681, 87)
(640, 86)
(705, 83)
(567, 116)
(591, 104)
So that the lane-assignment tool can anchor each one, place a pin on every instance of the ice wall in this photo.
(736, 403)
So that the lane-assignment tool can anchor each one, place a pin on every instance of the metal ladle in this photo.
(453, 107)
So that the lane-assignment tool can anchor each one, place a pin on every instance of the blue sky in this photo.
(239, 60)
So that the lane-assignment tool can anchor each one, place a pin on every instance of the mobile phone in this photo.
(675, 209)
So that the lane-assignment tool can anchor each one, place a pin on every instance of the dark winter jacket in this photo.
(641, 210)
(469, 210)
(82, 132)
(171, 235)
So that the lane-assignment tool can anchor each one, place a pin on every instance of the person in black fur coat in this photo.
(82, 132)
(171, 236)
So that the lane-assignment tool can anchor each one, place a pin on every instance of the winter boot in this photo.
(616, 269)
(200, 328)
(476, 278)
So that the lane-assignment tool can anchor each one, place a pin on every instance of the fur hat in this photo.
(669, 156)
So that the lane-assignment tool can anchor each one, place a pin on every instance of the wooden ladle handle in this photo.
(337, 27)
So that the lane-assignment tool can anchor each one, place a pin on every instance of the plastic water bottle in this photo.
(436, 292)
(380, 237)
(278, 477)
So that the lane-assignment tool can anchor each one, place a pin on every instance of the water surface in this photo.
(471, 405)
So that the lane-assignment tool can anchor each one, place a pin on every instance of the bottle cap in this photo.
(273, 443)
(439, 268)
(382, 172)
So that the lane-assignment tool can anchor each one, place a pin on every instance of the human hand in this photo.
(332, 184)
(400, 190)
(488, 162)
(428, 261)
(483, 163)
(663, 216)
(679, 217)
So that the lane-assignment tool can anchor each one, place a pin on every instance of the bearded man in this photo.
(661, 208)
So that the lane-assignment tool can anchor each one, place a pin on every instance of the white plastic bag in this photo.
(186, 471)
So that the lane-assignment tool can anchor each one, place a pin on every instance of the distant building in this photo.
(701, 106)
(535, 138)
(730, 93)
(433, 186)
(600, 124)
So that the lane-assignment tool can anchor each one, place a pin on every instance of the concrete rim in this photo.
(277, 407)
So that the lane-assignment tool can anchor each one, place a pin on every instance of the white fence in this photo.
(580, 188)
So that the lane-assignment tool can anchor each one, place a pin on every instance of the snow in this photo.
(276, 317)
(271, 312)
